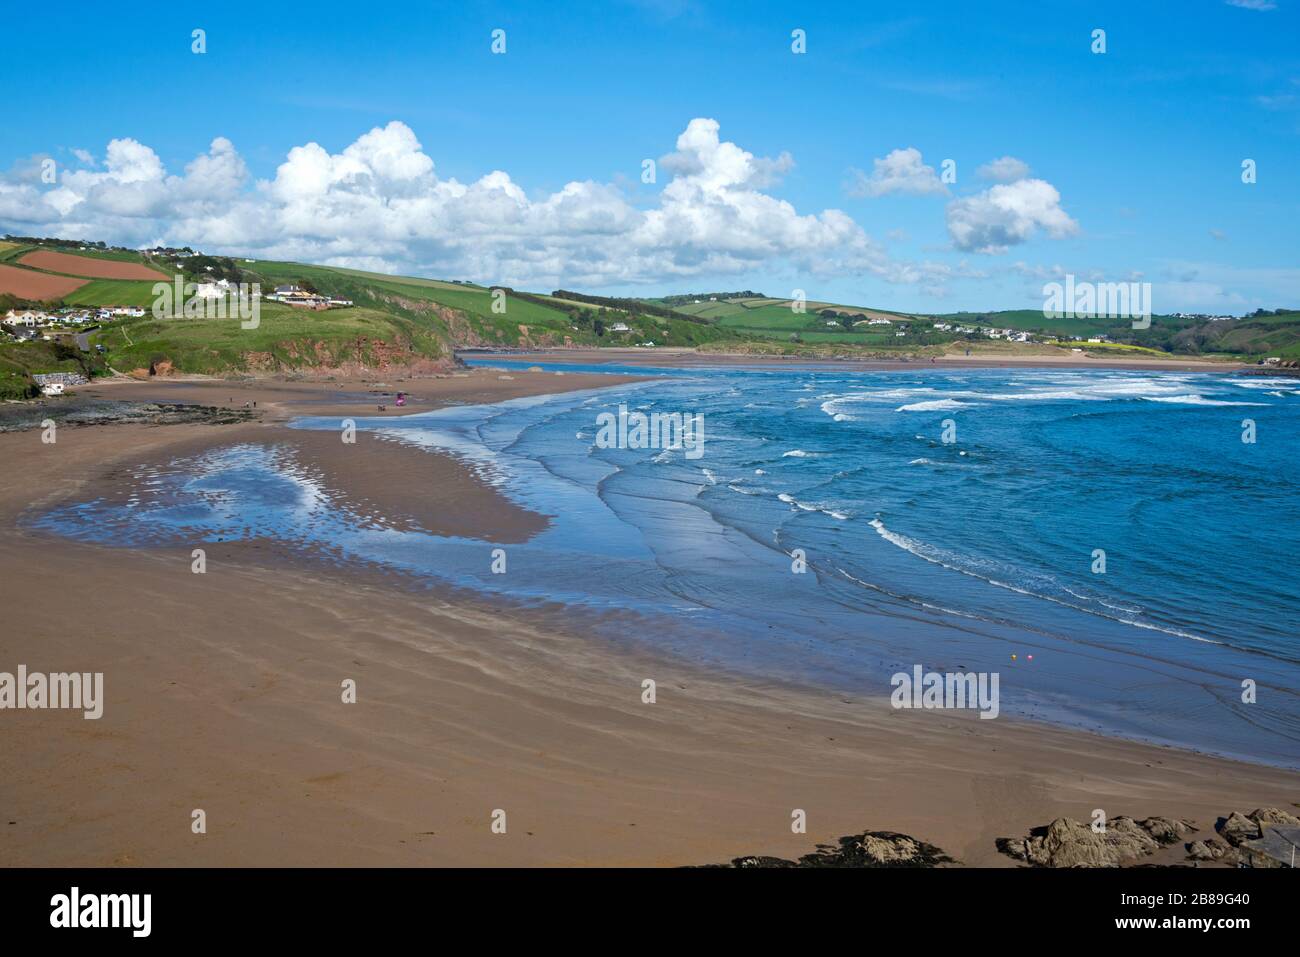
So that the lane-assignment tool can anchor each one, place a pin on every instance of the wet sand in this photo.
(223, 692)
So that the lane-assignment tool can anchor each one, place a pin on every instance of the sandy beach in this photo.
(1017, 359)
(223, 694)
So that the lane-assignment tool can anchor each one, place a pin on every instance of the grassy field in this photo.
(12, 252)
(1030, 320)
(113, 292)
(286, 339)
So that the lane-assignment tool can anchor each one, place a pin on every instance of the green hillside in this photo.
(396, 320)
(285, 340)
(19, 361)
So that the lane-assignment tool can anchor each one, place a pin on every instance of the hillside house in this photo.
(619, 327)
(213, 290)
(29, 318)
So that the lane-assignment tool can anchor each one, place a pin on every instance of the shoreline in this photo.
(674, 358)
(229, 701)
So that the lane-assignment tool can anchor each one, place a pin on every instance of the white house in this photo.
(25, 317)
(619, 327)
(212, 290)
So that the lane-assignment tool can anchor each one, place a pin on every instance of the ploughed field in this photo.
(90, 268)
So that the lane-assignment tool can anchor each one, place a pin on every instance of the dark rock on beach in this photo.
(1069, 843)
(1266, 837)
(1236, 829)
(21, 416)
(869, 849)
(1210, 849)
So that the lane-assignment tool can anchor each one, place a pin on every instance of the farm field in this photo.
(40, 286)
(88, 266)
(112, 292)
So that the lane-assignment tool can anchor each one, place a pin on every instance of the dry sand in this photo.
(223, 693)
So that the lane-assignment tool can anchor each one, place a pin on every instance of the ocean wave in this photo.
(1193, 398)
(1057, 389)
(813, 507)
(935, 405)
(798, 454)
(945, 559)
(1261, 383)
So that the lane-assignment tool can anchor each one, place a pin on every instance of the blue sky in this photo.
(1140, 146)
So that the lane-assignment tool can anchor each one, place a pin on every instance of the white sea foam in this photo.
(797, 454)
(1049, 388)
(1261, 383)
(935, 405)
(1194, 398)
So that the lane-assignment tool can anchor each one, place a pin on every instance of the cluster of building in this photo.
(1203, 317)
(297, 296)
(34, 323)
(1011, 335)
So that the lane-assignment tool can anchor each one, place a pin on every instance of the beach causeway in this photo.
(318, 713)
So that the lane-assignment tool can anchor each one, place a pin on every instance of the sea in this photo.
(1119, 547)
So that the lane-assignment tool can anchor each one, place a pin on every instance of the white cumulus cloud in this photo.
(902, 171)
(380, 204)
(1008, 214)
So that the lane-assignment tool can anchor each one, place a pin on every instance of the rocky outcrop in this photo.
(1273, 815)
(868, 849)
(1211, 849)
(1266, 837)
(1236, 829)
(1069, 843)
